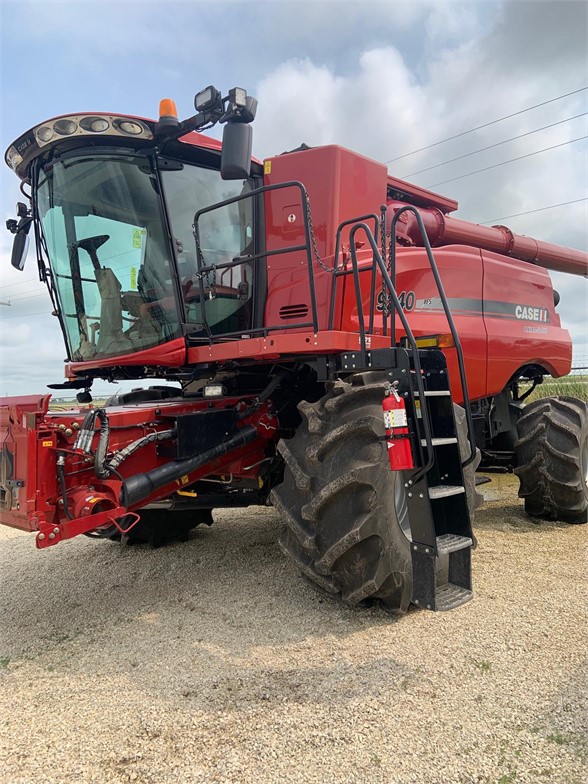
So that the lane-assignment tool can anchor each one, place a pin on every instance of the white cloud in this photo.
(375, 109)
(14, 335)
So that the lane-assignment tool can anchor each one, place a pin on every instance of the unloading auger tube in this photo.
(445, 230)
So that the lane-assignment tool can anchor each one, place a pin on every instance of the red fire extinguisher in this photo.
(397, 435)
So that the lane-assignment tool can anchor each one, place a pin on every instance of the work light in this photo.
(206, 99)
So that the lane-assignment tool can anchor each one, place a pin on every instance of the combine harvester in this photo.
(326, 363)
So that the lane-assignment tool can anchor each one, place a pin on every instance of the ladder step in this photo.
(450, 543)
(435, 393)
(442, 491)
(439, 441)
(450, 596)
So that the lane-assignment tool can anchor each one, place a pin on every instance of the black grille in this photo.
(293, 311)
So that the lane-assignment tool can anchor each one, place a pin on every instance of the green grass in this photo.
(483, 665)
(573, 386)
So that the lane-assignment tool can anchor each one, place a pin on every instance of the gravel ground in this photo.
(213, 661)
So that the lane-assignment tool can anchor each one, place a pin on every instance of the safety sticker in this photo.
(137, 238)
(47, 443)
(133, 277)
(267, 167)
(395, 418)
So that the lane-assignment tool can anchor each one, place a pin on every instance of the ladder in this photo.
(436, 494)
(435, 490)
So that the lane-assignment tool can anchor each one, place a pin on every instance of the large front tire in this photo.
(346, 522)
(552, 459)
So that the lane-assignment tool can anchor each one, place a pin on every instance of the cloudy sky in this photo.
(383, 78)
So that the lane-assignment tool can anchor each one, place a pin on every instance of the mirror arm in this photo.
(24, 225)
(195, 123)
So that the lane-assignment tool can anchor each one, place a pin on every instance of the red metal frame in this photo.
(34, 437)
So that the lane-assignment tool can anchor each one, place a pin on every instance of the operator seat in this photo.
(155, 286)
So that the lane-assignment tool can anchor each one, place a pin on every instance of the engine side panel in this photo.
(521, 321)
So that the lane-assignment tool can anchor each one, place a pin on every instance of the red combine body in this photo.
(286, 303)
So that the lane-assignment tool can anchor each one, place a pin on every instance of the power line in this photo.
(529, 212)
(20, 282)
(491, 146)
(26, 315)
(485, 125)
(23, 295)
(503, 163)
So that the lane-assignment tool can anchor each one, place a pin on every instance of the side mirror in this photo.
(20, 246)
(236, 152)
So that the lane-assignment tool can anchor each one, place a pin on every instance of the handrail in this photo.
(409, 335)
(337, 272)
(203, 268)
(448, 316)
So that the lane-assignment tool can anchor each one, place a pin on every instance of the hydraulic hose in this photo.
(61, 477)
(130, 449)
(100, 468)
(138, 487)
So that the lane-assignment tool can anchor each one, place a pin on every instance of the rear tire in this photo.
(552, 459)
(346, 523)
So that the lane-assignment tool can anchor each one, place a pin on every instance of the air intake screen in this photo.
(293, 311)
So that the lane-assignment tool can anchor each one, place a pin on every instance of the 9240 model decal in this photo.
(407, 300)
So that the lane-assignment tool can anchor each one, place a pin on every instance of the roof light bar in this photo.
(13, 158)
(87, 125)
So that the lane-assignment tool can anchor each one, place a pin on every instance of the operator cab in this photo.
(114, 201)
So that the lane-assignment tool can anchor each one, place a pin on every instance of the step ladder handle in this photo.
(337, 270)
(351, 222)
(409, 335)
(392, 272)
(384, 254)
(448, 316)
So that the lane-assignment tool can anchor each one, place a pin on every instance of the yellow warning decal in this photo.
(133, 277)
(184, 479)
(267, 167)
(47, 443)
(137, 238)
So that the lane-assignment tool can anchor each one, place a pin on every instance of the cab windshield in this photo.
(103, 227)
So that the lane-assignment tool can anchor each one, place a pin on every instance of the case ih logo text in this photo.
(526, 313)
(25, 144)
